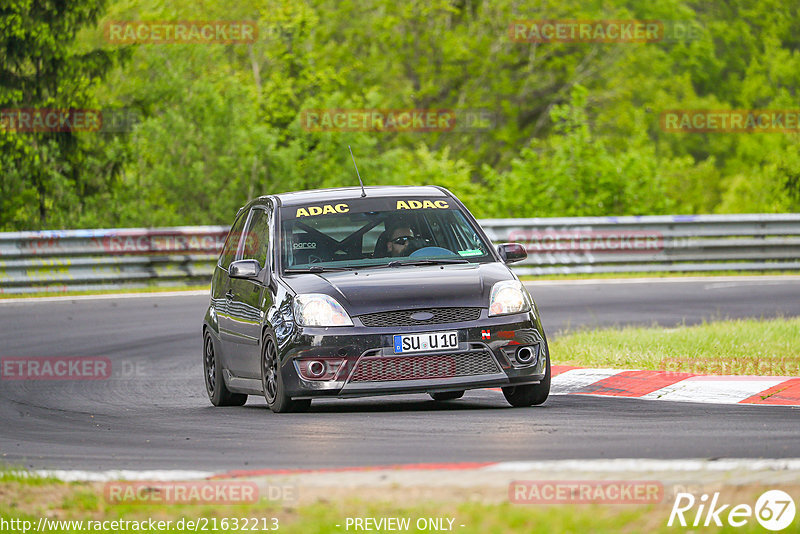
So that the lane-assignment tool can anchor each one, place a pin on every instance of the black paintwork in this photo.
(242, 311)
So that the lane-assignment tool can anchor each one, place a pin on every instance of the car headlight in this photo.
(316, 309)
(507, 297)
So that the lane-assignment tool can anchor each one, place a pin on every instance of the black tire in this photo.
(218, 392)
(272, 381)
(531, 394)
(447, 395)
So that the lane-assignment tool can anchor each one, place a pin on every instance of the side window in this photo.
(255, 244)
(232, 241)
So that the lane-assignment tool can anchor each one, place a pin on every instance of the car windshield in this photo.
(379, 232)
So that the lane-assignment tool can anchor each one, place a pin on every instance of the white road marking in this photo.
(616, 465)
(721, 390)
(576, 379)
(643, 464)
(122, 474)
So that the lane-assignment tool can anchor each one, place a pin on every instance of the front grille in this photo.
(431, 366)
(403, 317)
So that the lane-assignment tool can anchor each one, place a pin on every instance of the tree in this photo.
(40, 69)
(574, 173)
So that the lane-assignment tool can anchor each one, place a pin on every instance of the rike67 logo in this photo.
(774, 510)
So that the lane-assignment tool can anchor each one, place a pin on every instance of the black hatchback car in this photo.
(354, 292)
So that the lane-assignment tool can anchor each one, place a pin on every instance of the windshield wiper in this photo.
(317, 269)
(395, 263)
(437, 261)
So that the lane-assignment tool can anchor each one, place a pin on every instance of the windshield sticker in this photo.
(322, 210)
(369, 206)
(421, 204)
(471, 252)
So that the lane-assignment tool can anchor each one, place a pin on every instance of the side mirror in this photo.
(247, 269)
(512, 252)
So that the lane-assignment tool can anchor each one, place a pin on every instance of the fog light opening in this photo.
(316, 369)
(525, 355)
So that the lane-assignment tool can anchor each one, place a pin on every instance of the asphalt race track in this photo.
(153, 412)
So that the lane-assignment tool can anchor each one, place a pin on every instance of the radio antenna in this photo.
(363, 191)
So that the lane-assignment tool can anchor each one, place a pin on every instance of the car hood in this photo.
(399, 288)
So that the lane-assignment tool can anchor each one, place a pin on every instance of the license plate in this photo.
(425, 342)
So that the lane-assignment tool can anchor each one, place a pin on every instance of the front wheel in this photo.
(272, 381)
(218, 392)
(531, 394)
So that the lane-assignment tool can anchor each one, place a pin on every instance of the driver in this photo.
(399, 241)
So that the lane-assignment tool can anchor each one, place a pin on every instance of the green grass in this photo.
(751, 346)
(9, 474)
(83, 501)
(655, 274)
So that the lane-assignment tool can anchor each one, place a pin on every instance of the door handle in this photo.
(229, 295)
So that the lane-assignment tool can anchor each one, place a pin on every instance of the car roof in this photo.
(349, 193)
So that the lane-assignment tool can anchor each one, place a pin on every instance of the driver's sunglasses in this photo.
(402, 240)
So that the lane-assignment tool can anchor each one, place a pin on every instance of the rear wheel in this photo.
(218, 392)
(272, 382)
(447, 395)
(531, 394)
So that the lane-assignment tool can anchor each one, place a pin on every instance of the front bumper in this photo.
(367, 365)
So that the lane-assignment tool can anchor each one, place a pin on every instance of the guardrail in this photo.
(110, 259)
(61, 260)
(673, 243)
